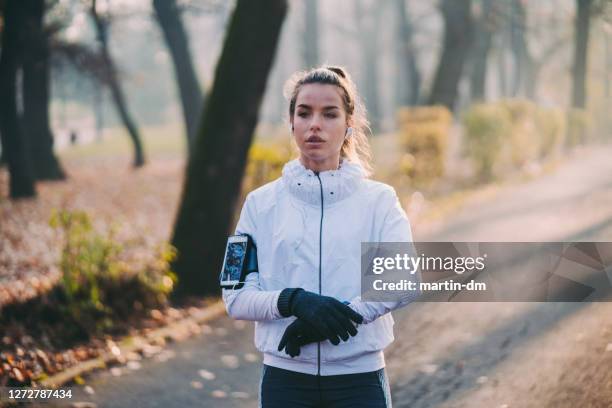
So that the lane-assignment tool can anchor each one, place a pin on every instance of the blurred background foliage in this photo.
(529, 58)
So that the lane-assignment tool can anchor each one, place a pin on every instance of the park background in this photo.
(132, 131)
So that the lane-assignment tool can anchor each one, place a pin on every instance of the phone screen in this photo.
(234, 258)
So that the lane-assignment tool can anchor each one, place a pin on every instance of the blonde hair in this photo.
(355, 148)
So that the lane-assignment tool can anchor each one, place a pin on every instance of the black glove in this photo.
(330, 317)
(298, 334)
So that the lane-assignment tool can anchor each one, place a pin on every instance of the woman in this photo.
(308, 226)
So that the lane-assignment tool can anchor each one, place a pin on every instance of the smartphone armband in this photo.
(240, 259)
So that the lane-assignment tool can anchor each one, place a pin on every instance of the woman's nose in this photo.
(315, 123)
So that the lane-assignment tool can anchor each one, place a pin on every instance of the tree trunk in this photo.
(502, 65)
(216, 165)
(115, 87)
(311, 34)
(607, 67)
(484, 29)
(531, 84)
(192, 97)
(409, 80)
(2, 153)
(98, 108)
(45, 164)
(13, 141)
(368, 29)
(581, 44)
(457, 41)
(522, 58)
(537, 64)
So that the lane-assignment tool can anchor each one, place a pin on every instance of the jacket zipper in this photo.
(320, 260)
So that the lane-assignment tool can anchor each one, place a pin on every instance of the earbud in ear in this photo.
(349, 132)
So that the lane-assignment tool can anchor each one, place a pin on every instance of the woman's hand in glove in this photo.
(298, 334)
(330, 317)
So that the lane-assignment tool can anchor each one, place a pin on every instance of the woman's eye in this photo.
(330, 115)
(302, 114)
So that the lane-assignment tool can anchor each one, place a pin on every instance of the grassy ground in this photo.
(165, 140)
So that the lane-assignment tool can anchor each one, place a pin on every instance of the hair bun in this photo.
(338, 71)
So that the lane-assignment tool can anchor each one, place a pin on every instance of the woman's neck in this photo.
(322, 165)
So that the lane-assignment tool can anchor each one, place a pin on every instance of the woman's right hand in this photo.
(330, 317)
(298, 334)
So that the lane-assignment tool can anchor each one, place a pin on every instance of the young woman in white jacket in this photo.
(322, 345)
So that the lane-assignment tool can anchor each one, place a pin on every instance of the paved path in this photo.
(447, 355)
(174, 378)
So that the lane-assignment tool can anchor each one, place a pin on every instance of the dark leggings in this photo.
(288, 389)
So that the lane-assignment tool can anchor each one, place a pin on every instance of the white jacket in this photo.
(302, 221)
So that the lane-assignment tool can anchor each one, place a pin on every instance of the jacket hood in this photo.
(337, 184)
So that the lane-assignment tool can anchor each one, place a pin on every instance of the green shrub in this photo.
(423, 133)
(428, 114)
(98, 286)
(524, 138)
(578, 127)
(551, 127)
(517, 132)
(486, 128)
(265, 163)
(518, 109)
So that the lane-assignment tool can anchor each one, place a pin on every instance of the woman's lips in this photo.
(314, 141)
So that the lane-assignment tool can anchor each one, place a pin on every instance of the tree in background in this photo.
(192, 98)
(546, 34)
(484, 28)
(310, 36)
(409, 81)
(2, 153)
(457, 42)
(608, 56)
(523, 61)
(13, 140)
(45, 165)
(101, 25)
(218, 159)
(83, 65)
(368, 27)
(581, 44)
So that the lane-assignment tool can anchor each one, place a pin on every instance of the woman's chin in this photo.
(314, 157)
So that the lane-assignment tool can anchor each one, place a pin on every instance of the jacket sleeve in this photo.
(395, 228)
(251, 302)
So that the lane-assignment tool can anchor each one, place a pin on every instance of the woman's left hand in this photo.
(298, 334)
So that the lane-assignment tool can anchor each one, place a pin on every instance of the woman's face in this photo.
(319, 126)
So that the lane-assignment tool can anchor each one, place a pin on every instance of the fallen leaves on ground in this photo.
(140, 204)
